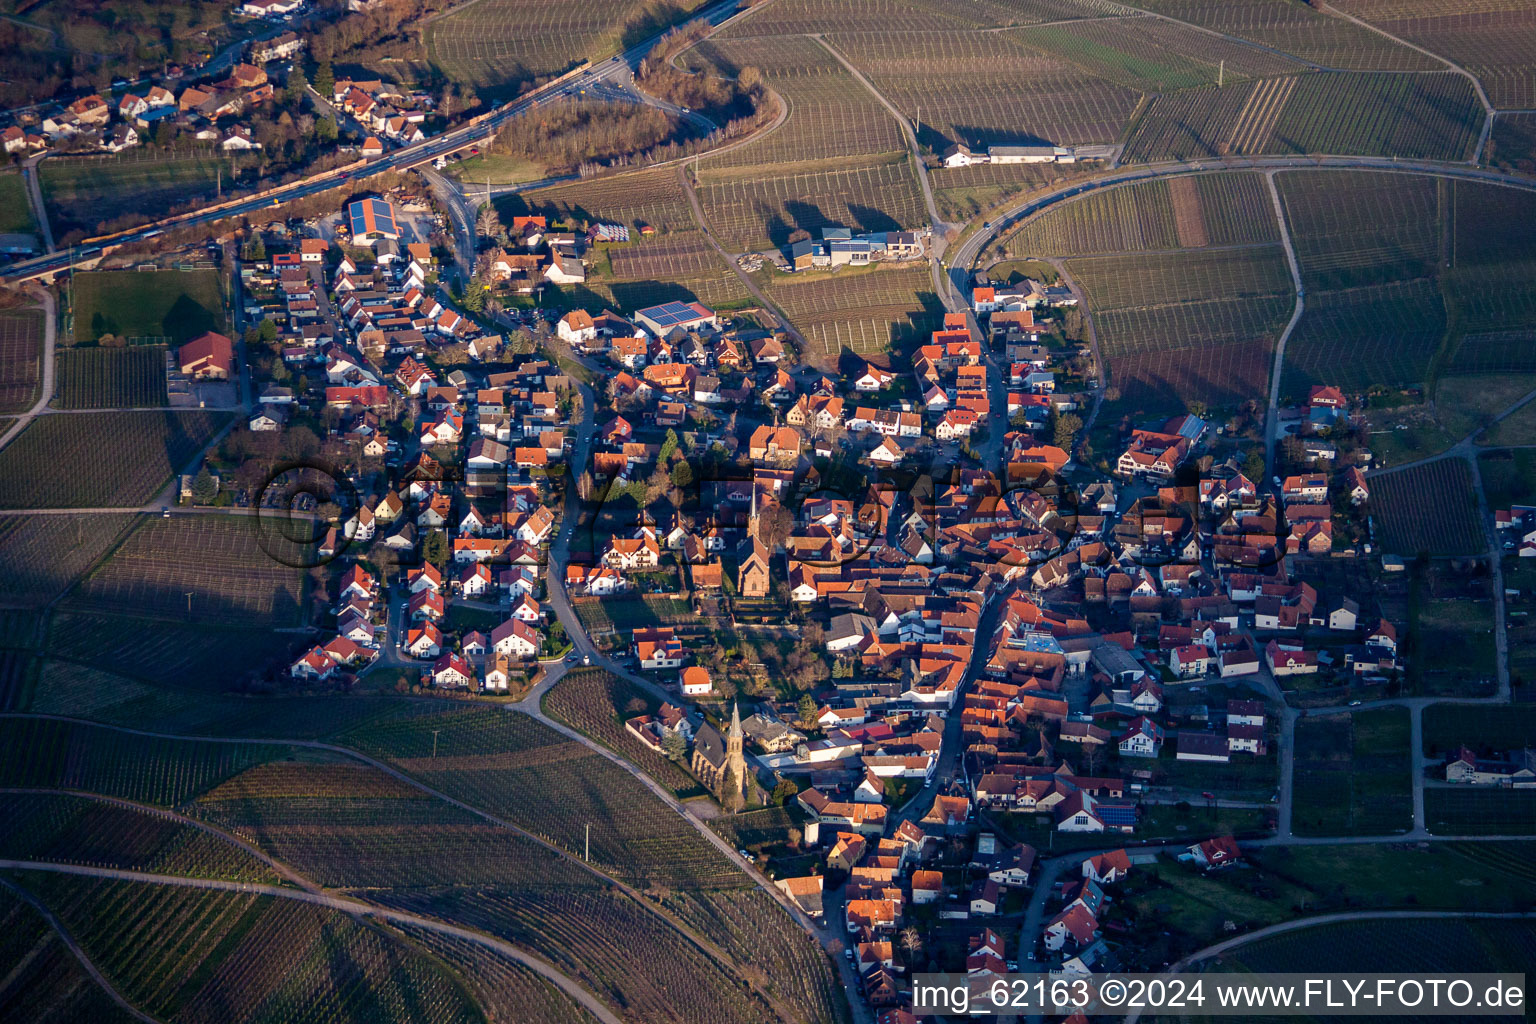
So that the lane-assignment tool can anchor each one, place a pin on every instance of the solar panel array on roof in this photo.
(369, 216)
(670, 314)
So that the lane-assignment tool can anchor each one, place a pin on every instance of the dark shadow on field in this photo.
(186, 319)
(638, 294)
(871, 219)
(980, 137)
(805, 217)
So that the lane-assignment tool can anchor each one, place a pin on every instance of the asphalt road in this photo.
(619, 69)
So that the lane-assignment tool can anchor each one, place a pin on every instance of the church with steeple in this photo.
(718, 759)
(753, 572)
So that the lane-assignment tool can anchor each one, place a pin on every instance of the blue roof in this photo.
(1115, 813)
(670, 314)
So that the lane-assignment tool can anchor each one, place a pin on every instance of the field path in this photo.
(707, 947)
(1477, 86)
(181, 819)
(581, 996)
(937, 248)
(1272, 418)
(29, 174)
(50, 342)
(85, 962)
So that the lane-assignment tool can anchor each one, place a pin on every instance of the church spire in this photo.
(735, 720)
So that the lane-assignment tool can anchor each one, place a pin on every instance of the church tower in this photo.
(735, 759)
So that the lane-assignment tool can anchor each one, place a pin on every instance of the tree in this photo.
(911, 941)
(682, 475)
(204, 487)
(164, 134)
(785, 791)
(434, 548)
(730, 790)
(326, 130)
(254, 249)
(1253, 466)
(808, 709)
(294, 91)
(267, 331)
(674, 746)
(1065, 428)
(668, 447)
(325, 81)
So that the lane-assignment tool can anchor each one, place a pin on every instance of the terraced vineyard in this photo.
(63, 755)
(596, 702)
(352, 826)
(987, 89)
(196, 956)
(501, 46)
(203, 658)
(1493, 39)
(1379, 334)
(1183, 212)
(1298, 30)
(755, 207)
(1170, 279)
(101, 460)
(869, 311)
(62, 828)
(196, 568)
(1166, 343)
(21, 350)
(48, 982)
(830, 115)
(1449, 525)
(605, 941)
(678, 266)
(1155, 55)
(40, 556)
(649, 198)
(1369, 113)
(756, 931)
(503, 987)
(111, 378)
(532, 776)
(1352, 228)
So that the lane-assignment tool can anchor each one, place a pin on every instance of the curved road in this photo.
(581, 996)
(50, 343)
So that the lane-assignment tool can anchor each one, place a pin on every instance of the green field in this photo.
(15, 210)
(1482, 727)
(1479, 811)
(174, 304)
(111, 378)
(86, 194)
(1401, 945)
(1352, 774)
(119, 459)
(1432, 876)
